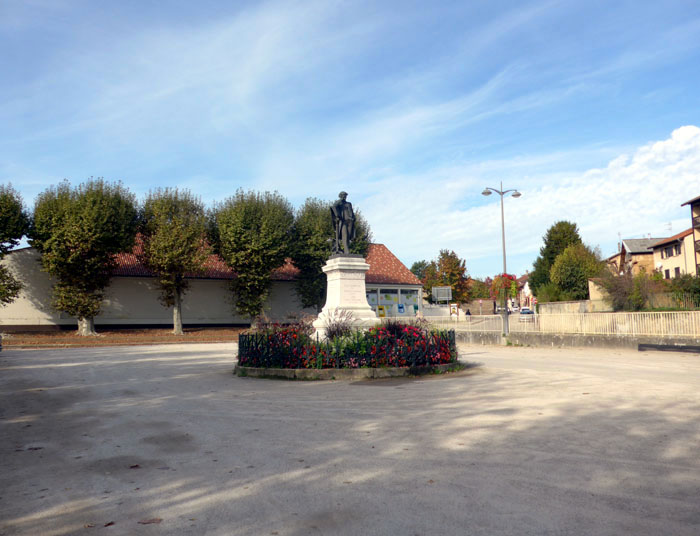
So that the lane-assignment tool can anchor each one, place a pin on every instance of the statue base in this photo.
(346, 292)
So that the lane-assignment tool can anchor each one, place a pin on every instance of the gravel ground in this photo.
(165, 440)
(117, 337)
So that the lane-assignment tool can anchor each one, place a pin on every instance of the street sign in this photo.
(442, 294)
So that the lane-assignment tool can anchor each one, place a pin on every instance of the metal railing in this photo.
(462, 323)
(664, 324)
(667, 324)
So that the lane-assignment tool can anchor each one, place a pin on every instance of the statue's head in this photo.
(343, 195)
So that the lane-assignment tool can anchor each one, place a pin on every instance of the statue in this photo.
(343, 219)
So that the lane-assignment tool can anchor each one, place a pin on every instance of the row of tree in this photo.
(448, 270)
(561, 271)
(79, 232)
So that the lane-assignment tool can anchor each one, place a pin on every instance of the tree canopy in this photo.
(418, 269)
(504, 286)
(573, 268)
(311, 245)
(558, 237)
(479, 288)
(78, 232)
(252, 234)
(14, 224)
(173, 243)
(448, 271)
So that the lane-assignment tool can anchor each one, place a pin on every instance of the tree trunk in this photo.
(177, 315)
(86, 326)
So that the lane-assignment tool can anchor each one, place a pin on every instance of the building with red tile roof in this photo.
(132, 297)
(675, 256)
(384, 268)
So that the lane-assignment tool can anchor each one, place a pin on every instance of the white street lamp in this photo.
(502, 192)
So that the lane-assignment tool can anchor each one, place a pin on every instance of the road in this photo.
(530, 441)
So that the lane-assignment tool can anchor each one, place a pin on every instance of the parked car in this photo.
(526, 315)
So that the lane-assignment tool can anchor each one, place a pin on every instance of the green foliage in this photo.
(573, 268)
(549, 292)
(174, 241)
(253, 233)
(627, 292)
(401, 346)
(78, 232)
(502, 286)
(479, 289)
(9, 286)
(14, 223)
(686, 284)
(418, 269)
(558, 237)
(14, 220)
(447, 271)
(311, 245)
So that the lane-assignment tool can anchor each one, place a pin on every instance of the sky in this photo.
(590, 109)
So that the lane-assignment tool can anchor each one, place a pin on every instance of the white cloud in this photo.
(635, 194)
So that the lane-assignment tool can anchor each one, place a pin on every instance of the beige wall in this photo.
(641, 261)
(33, 306)
(134, 300)
(684, 261)
(695, 213)
(634, 262)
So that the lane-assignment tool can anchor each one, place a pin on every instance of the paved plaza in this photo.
(531, 441)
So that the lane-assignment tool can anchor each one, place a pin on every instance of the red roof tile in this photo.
(673, 238)
(385, 268)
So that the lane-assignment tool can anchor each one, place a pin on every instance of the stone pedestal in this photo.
(346, 291)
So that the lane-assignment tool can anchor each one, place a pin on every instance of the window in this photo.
(388, 296)
(667, 274)
(678, 272)
(677, 249)
(667, 252)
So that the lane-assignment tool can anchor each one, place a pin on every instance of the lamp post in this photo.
(502, 192)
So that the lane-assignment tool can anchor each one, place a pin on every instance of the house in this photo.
(525, 296)
(635, 254)
(675, 255)
(131, 300)
(695, 226)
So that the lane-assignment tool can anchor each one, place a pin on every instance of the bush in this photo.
(291, 347)
(339, 324)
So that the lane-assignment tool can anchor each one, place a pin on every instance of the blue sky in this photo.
(591, 109)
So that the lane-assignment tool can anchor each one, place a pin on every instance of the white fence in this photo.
(664, 324)
(468, 323)
(672, 323)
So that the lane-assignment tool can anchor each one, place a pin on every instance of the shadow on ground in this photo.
(91, 437)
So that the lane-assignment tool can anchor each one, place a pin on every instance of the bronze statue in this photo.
(344, 222)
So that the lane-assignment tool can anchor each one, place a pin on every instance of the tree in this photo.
(14, 224)
(480, 289)
(573, 268)
(78, 232)
(504, 286)
(558, 237)
(418, 268)
(173, 244)
(627, 292)
(252, 233)
(686, 286)
(448, 271)
(311, 245)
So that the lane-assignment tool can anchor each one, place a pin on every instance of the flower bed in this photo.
(291, 347)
